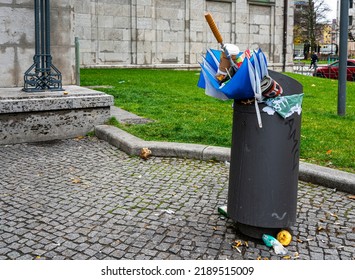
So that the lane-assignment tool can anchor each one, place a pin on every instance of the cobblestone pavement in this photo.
(84, 199)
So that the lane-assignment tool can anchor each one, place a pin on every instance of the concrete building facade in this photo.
(142, 33)
(17, 39)
(335, 27)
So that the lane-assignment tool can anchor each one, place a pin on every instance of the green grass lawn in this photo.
(183, 113)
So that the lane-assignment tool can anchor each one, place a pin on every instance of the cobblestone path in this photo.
(84, 199)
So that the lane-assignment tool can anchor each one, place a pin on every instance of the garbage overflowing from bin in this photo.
(262, 194)
(232, 74)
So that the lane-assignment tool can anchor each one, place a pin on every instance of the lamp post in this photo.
(343, 56)
(42, 75)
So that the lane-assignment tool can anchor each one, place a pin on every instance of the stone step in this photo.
(43, 116)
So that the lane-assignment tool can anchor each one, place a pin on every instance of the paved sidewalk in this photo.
(132, 145)
(85, 199)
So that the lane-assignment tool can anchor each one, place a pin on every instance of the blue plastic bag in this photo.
(244, 84)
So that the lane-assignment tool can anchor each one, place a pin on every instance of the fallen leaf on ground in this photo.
(260, 258)
(145, 153)
(76, 181)
(320, 229)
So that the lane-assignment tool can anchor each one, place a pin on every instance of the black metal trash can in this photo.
(263, 181)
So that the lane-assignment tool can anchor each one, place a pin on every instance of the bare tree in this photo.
(310, 20)
(351, 32)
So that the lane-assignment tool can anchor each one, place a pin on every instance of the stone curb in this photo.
(324, 176)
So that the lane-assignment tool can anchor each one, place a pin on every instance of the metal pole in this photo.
(42, 36)
(77, 61)
(343, 56)
(37, 36)
(42, 75)
(284, 38)
(48, 37)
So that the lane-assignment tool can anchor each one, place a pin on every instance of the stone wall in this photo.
(149, 32)
(163, 32)
(139, 33)
(17, 40)
(262, 25)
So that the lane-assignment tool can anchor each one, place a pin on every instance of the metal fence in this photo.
(303, 68)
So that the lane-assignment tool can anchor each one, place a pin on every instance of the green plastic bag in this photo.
(285, 106)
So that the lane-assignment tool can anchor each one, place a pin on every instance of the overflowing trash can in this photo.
(262, 194)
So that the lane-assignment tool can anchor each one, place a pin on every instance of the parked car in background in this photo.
(329, 49)
(331, 71)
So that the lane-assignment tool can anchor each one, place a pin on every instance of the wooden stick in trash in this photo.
(214, 28)
(219, 38)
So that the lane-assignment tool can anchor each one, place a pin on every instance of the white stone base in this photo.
(44, 116)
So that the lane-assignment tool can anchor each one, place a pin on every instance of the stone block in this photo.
(121, 46)
(197, 5)
(176, 149)
(144, 23)
(121, 22)
(144, 58)
(20, 31)
(177, 25)
(216, 153)
(82, 7)
(116, 58)
(170, 36)
(6, 58)
(140, 11)
(62, 58)
(83, 20)
(197, 25)
(88, 58)
(105, 21)
(9, 1)
(145, 2)
(62, 3)
(106, 46)
(33, 117)
(113, 34)
(163, 24)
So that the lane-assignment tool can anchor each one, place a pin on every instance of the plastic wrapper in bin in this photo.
(243, 84)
